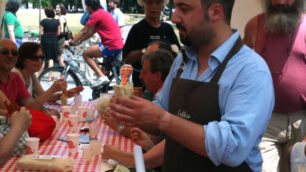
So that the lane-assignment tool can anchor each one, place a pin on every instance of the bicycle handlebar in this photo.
(68, 48)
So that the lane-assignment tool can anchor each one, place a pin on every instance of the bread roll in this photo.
(124, 90)
(27, 162)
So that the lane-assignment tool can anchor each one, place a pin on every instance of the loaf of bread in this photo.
(30, 162)
(102, 103)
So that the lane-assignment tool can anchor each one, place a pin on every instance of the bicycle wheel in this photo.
(49, 75)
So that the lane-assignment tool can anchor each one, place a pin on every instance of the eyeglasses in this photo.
(35, 58)
(5, 51)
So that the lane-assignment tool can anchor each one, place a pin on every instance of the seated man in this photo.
(12, 85)
(105, 25)
(12, 135)
(156, 66)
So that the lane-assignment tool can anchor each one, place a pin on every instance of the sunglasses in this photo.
(35, 58)
(5, 51)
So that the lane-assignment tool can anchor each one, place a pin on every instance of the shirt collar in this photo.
(219, 54)
(11, 76)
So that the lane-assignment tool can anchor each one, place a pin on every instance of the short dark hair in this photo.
(93, 4)
(160, 61)
(63, 9)
(227, 6)
(117, 2)
(165, 45)
(12, 6)
(50, 12)
(26, 50)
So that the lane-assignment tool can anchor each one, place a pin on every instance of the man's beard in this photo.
(282, 19)
(198, 37)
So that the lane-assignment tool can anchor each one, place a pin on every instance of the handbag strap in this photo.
(2, 20)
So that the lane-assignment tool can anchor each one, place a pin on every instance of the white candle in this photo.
(138, 157)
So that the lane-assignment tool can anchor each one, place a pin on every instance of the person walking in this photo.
(61, 12)
(113, 6)
(49, 29)
(12, 27)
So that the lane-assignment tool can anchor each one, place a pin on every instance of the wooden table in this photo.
(53, 146)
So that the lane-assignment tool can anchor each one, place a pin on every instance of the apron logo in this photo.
(183, 114)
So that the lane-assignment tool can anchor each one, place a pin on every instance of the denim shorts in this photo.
(106, 53)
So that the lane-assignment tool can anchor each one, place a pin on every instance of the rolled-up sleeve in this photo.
(246, 112)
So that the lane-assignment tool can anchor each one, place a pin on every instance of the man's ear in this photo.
(159, 76)
(216, 12)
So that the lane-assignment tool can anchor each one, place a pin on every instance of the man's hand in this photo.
(3, 99)
(21, 119)
(141, 138)
(110, 121)
(110, 152)
(138, 112)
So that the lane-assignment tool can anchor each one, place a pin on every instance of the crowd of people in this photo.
(218, 103)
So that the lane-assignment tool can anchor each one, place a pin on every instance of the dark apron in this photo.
(197, 102)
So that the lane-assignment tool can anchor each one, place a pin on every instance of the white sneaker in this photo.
(101, 81)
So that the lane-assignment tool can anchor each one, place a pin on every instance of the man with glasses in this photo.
(12, 90)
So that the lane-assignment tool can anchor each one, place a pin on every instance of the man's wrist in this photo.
(164, 121)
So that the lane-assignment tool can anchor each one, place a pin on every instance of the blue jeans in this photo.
(18, 40)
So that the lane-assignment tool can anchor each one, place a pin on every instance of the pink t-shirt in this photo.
(15, 90)
(107, 28)
(286, 57)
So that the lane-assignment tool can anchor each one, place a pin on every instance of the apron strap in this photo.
(183, 64)
(221, 67)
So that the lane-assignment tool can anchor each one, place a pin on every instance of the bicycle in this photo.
(72, 72)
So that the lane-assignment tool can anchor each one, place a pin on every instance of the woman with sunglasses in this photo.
(30, 60)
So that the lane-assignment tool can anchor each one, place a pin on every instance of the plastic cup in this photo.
(32, 145)
(93, 130)
(82, 112)
(96, 146)
(90, 115)
(73, 121)
(66, 111)
(87, 153)
(73, 142)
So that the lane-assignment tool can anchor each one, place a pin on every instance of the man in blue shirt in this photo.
(114, 9)
(216, 101)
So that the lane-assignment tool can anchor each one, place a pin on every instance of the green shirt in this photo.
(10, 19)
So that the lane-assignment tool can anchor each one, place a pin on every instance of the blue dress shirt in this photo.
(246, 101)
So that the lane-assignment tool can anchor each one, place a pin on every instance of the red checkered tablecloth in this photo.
(53, 146)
